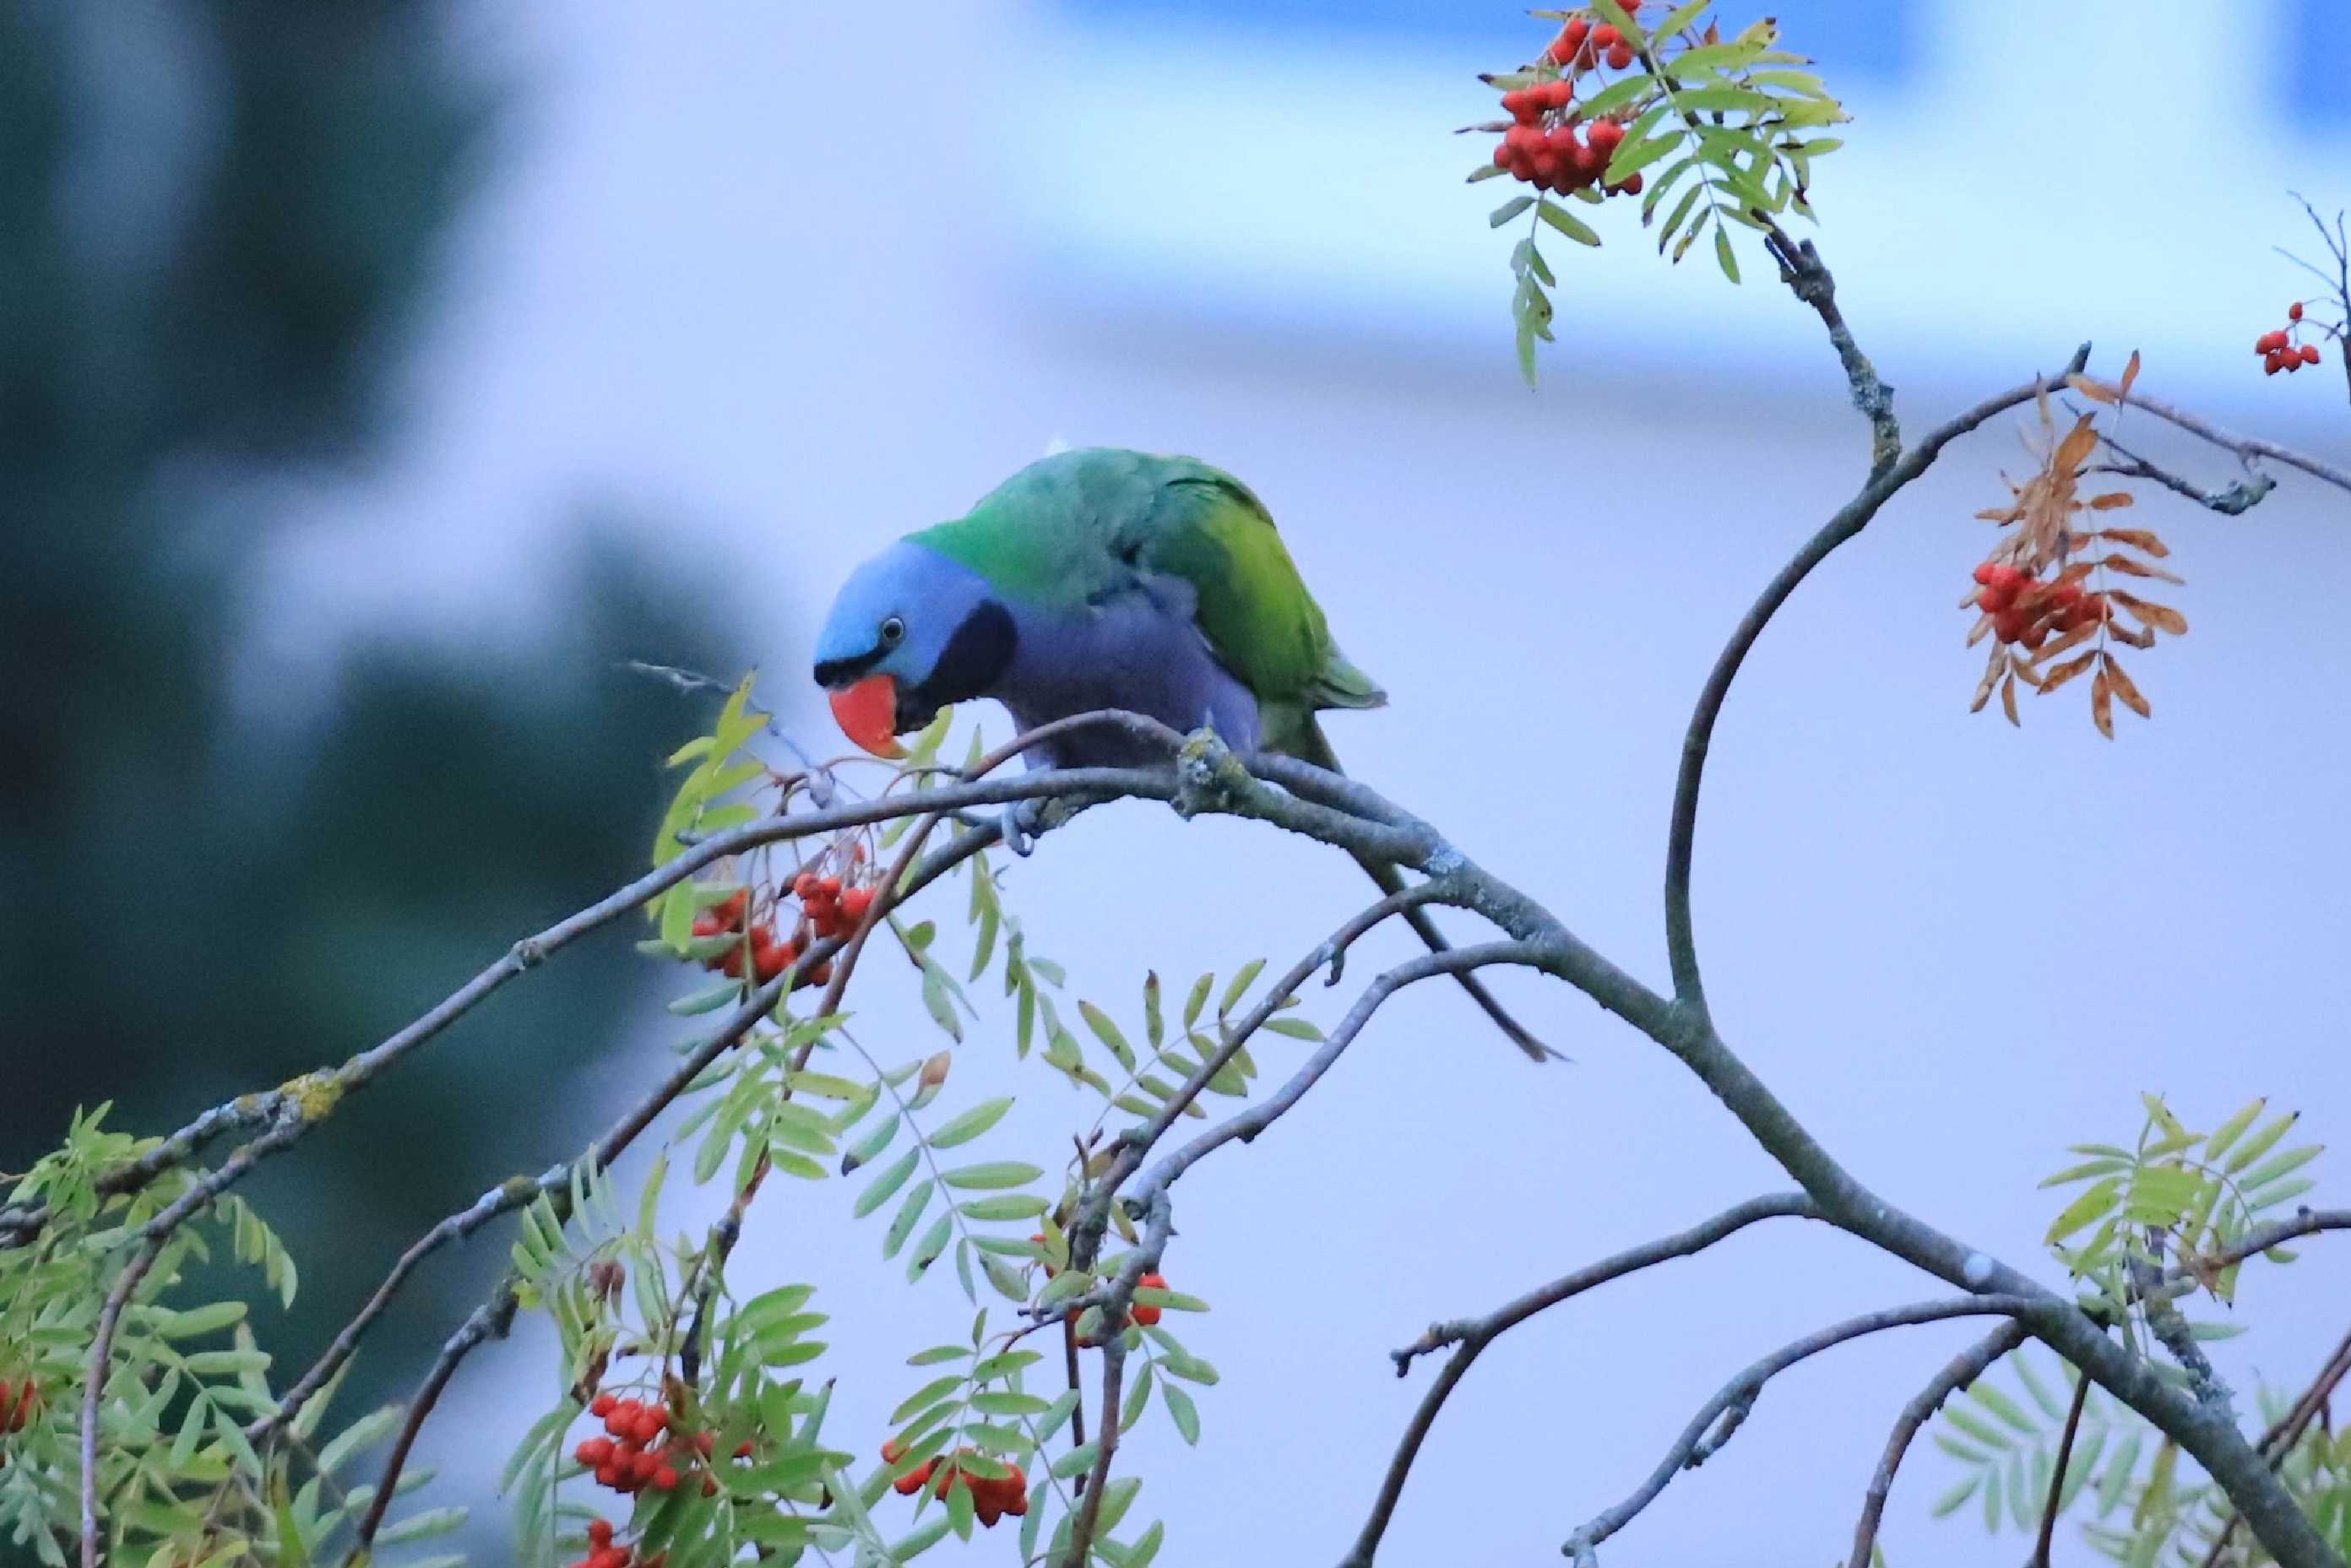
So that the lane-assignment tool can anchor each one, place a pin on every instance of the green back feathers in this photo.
(1072, 526)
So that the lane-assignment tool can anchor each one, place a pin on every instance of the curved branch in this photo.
(1474, 1335)
(1731, 1401)
(1681, 943)
(1958, 1373)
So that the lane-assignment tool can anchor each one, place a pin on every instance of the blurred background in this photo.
(374, 377)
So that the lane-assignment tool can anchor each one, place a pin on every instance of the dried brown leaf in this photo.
(2074, 639)
(1998, 514)
(2126, 688)
(2137, 539)
(2110, 500)
(2008, 700)
(2079, 443)
(2051, 679)
(1983, 687)
(2133, 635)
(2094, 390)
(2158, 617)
(2130, 567)
(2130, 373)
(1980, 630)
(2023, 670)
(2102, 705)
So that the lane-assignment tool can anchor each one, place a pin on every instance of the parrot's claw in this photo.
(1025, 822)
(1016, 821)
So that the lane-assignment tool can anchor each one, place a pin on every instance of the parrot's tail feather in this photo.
(1391, 880)
(1309, 744)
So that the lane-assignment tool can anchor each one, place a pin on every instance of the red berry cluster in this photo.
(18, 1405)
(2026, 609)
(827, 909)
(1580, 43)
(633, 1455)
(992, 1498)
(602, 1553)
(2278, 351)
(1563, 157)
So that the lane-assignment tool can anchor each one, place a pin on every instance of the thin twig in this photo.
(1742, 1389)
(2246, 448)
(1474, 1335)
(1957, 1373)
(154, 1236)
(2057, 1474)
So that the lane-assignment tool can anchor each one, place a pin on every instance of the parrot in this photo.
(1103, 578)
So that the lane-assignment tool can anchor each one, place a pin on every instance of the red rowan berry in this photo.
(2269, 342)
(821, 975)
(710, 1486)
(601, 1405)
(1606, 37)
(743, 1450)
(1620, 57)
(855, 903)
(1558, 94)
(622, 1416)
(2008, 625)
(1516, 104)
(1143, 1315)
(664, 1479)
(600, 1532)
(2273, 364)
(2310, 353)
(1605, 135)
(2293, 311)
(1570, 42)
(608, 1474)
(594, 1452)
(1631, 185)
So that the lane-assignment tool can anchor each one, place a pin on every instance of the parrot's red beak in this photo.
(868, 714)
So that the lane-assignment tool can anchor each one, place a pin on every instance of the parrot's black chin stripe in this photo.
(971, 663)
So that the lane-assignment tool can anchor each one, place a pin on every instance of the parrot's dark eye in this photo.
(893, 632)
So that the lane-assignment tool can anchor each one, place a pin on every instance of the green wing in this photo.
(1074, 525)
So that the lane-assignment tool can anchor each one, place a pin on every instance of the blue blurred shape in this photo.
(1871, 37)
(2320, 47)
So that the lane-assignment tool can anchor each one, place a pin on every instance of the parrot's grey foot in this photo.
(1025, 822)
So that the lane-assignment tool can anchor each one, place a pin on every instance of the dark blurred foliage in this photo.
(218, 223)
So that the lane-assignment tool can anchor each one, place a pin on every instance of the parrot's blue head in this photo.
(910, 633)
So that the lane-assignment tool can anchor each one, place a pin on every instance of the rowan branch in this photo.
(2239, 497)
(1731, 1401)
(1885, 483)
(1960, 1372)
(2287, 1431)
(2245, 447)
(1474, 1335)
(1809, 278)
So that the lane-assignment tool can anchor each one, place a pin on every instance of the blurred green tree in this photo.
(221, 221)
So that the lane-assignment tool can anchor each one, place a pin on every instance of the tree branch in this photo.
(1682, 941)
(1809, 278)
(2246, 448)
(1957, 1373)
(1474, 1335)
(1733, 1399)
(2057, 1474)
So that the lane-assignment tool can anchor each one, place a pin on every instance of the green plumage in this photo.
(1081, 525)
(1075, 526)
